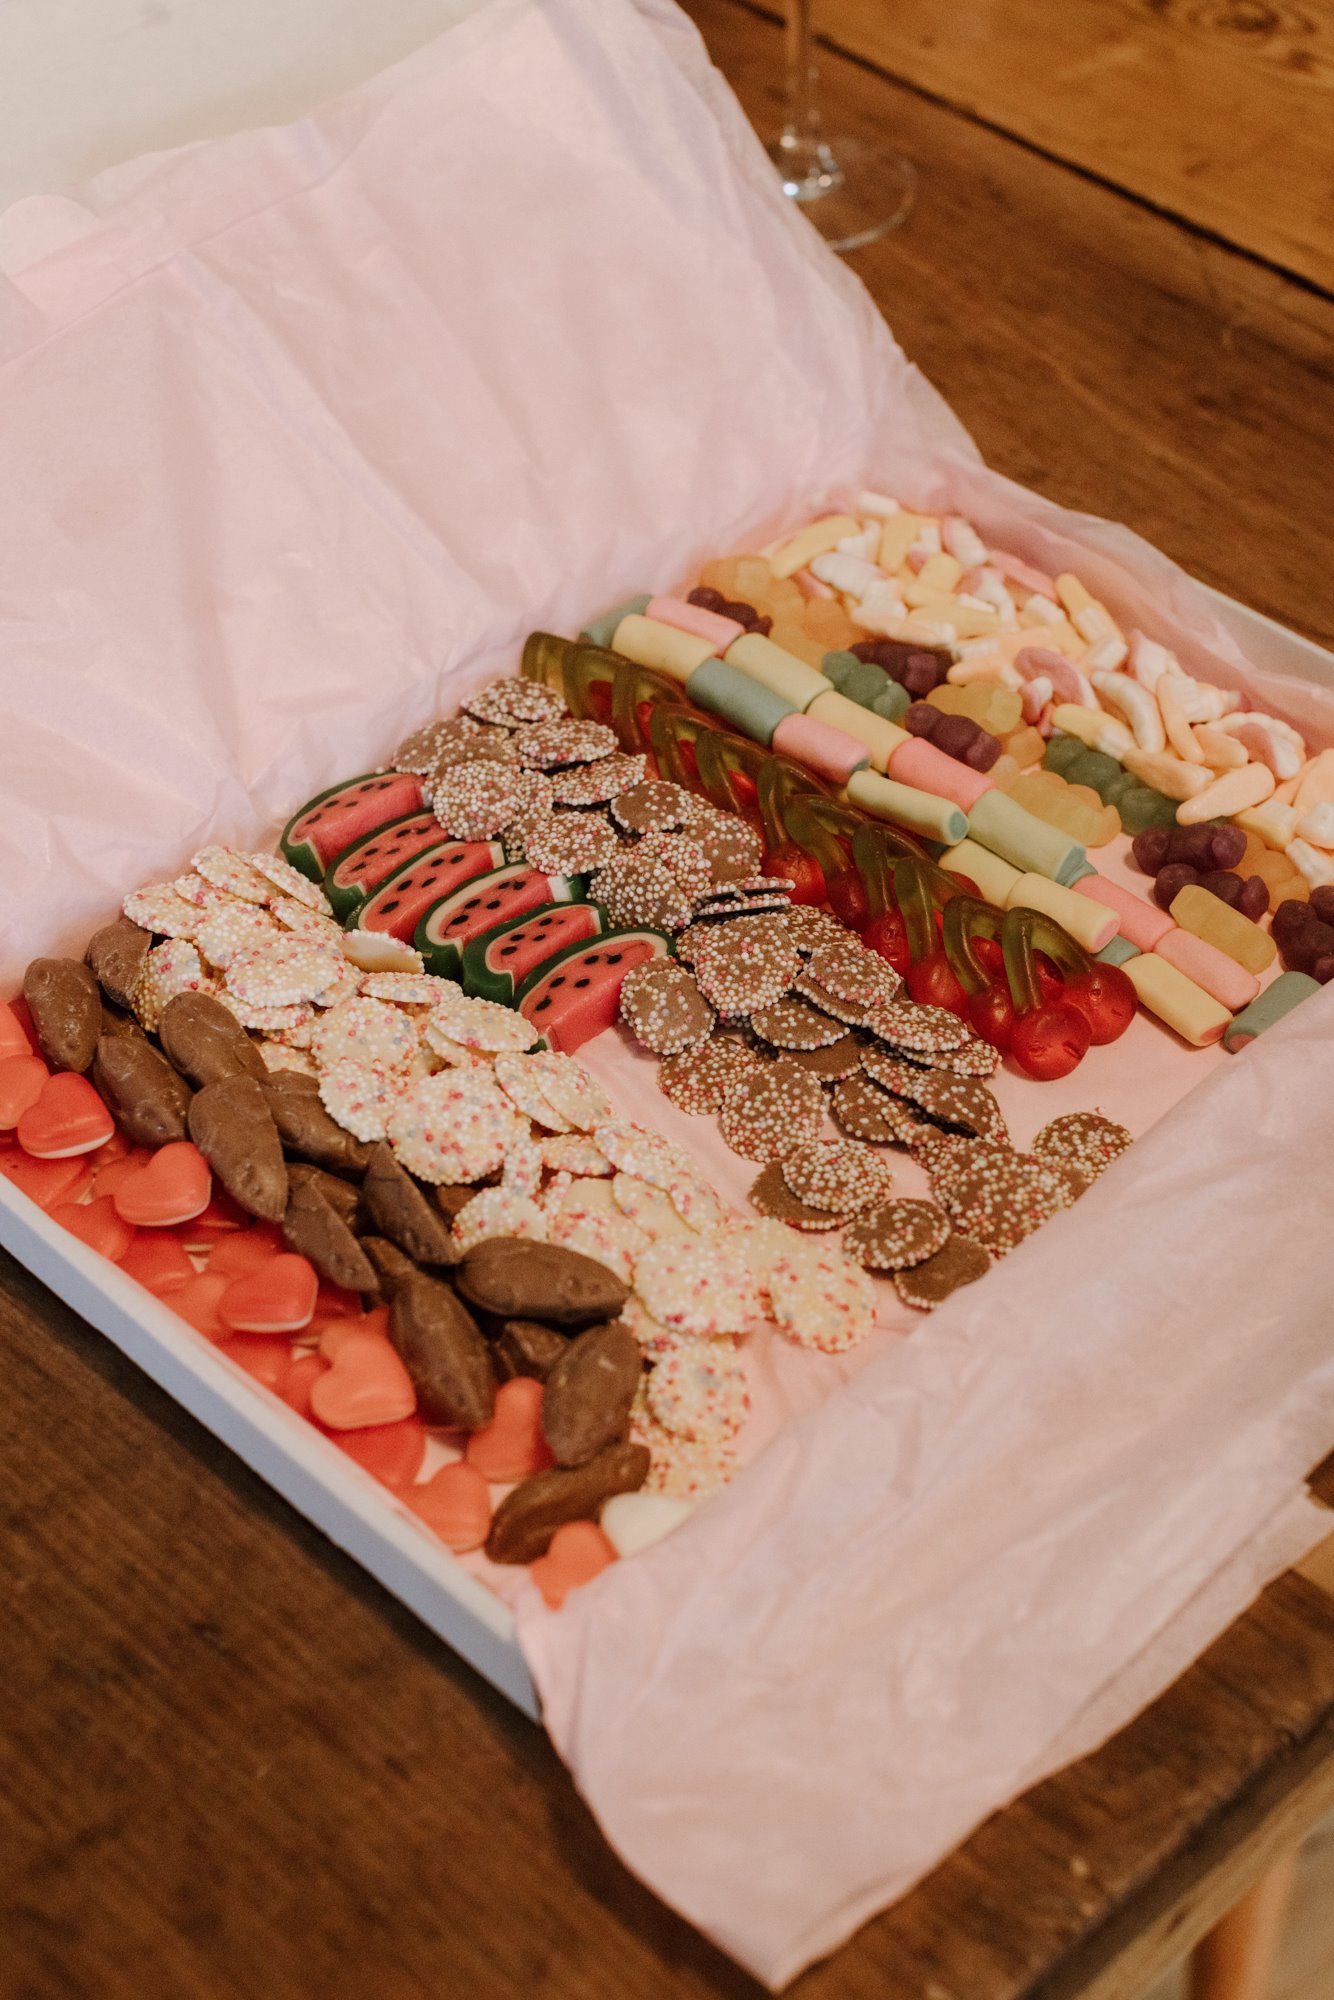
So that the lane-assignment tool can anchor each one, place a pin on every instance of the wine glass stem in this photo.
(803, 81)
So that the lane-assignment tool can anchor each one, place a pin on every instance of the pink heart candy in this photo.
(68, 1118)
(366, 1383)
(278, 1297)
(172, 1186)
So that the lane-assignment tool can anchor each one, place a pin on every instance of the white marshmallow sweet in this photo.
(634, 1521)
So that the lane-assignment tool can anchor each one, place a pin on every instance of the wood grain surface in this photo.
(232, 1769)
(1220, 112)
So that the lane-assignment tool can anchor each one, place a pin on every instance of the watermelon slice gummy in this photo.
(373, 860)
(579, 994)
(497, 961)
(330, 823)
(401, 901)
(479, 906)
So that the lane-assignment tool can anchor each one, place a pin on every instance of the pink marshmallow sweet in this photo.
(919, 763)
(1018, 571)
(719, 632)
(1220, 976)
(831, 753)
(1140, 922)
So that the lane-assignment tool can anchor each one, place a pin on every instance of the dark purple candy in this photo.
(709, 600)
(1322, 903)
(920, 719)
(920, 674)
(1226, 887)
(727, 607)
(1227, 845)
(1311, 943)
(1192, 845)
(1254, 898)
(1291, 918)
(1151, 848)
(1323, 969)
(985, 751)
(1171, 881)
(956, 735)
(897, 658)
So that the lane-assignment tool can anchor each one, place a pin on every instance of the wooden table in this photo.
(230, 1765)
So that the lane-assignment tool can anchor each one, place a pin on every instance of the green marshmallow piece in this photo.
(893, 703)
(602, 631)
(1278, 999)
(748, 705)
(1141, 807)
(1023, 840)
(1117, 952)
(1061, 753)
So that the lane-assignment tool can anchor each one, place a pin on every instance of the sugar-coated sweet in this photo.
(1278, 999)
(829, 752)
(907, 805)
(1137, 920)
(1176, 999)
(1029, 845)
(650, 643)
(1196, 910)
(1219, 974)
(918, 762)
(992, 877)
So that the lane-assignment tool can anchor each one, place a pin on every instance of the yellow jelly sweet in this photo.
(793, 637)
(1027, 746)
(826, 623)
(1075, 809)
(1283, 881)
(745, 578)
(991, 704)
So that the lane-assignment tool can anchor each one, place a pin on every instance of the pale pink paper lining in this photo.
(303, 431)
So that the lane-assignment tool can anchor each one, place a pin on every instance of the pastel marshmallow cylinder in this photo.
(777, 669)
(816, 540)
(603, 629)
(881, 738)
(1116, 951)
(720, 632)
(917, 762)
(1074, 871)
(994, 877)
(829, 752)
(1279, 998)
(1020, 838)
(1228, 982)
(1140, 922)
(1088, 923)
(921, 812)
(750, 707)
(1176, 999)
(1208, 917)
(651, 644)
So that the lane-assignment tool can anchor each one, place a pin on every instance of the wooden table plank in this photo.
(231, 1766)
(1220, 112)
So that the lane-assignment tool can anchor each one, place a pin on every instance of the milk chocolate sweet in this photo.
(589, 1392)
(305, 1127)
(390, 1265)
(527, 1518)
(230, 1123)
(116, 957)
(313, 1227)
(66, 1007)
(440, 1345)
(150, 1101)
(342, 1196)
(205, 1040)
(394, 1206)
(526, 1347)
(518, 1279)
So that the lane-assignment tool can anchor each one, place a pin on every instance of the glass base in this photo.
(854, 193)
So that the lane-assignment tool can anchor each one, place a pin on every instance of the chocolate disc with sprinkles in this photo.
(868, 1113)
(809, 928)
(429, 745)
(832, 1065)
(655, 806)
(474, 801)
(972, 1058)
(841, 1174)
(771, 1196)
(928, 1284)
(731, 848)
(569, 843)
(851, 1012)
(550, 746)
(897, 1235)
(899, 1078)
(962, 1103)
(855, 974)
(795, 1024)
(514, 704)
(999, 1198)
(749, 965)
(1071, 1181)
(769, 1110)
(663, 1005)
(698, 1081)
(644, 896)
(597, 784)
(925, 1030)
(1085, 1139)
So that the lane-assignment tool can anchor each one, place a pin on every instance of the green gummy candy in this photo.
(866, 684)
(1093, 769)
(893, 703)
(837, 666)
(1061, 753)
(1117, 952)
(1116, 789)
(1141, 808)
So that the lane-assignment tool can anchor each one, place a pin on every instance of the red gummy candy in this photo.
(158, 1262)
(197, 1303)
(304, 1373)
(68, 1118)
(277, 1298)
(22, 1078)
(245, 1250)
(391, 1453)
(171, 1187)
(46, 1181)
(97, 1224)
(269, 1361)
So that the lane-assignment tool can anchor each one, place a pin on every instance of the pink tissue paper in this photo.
(303, 431)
